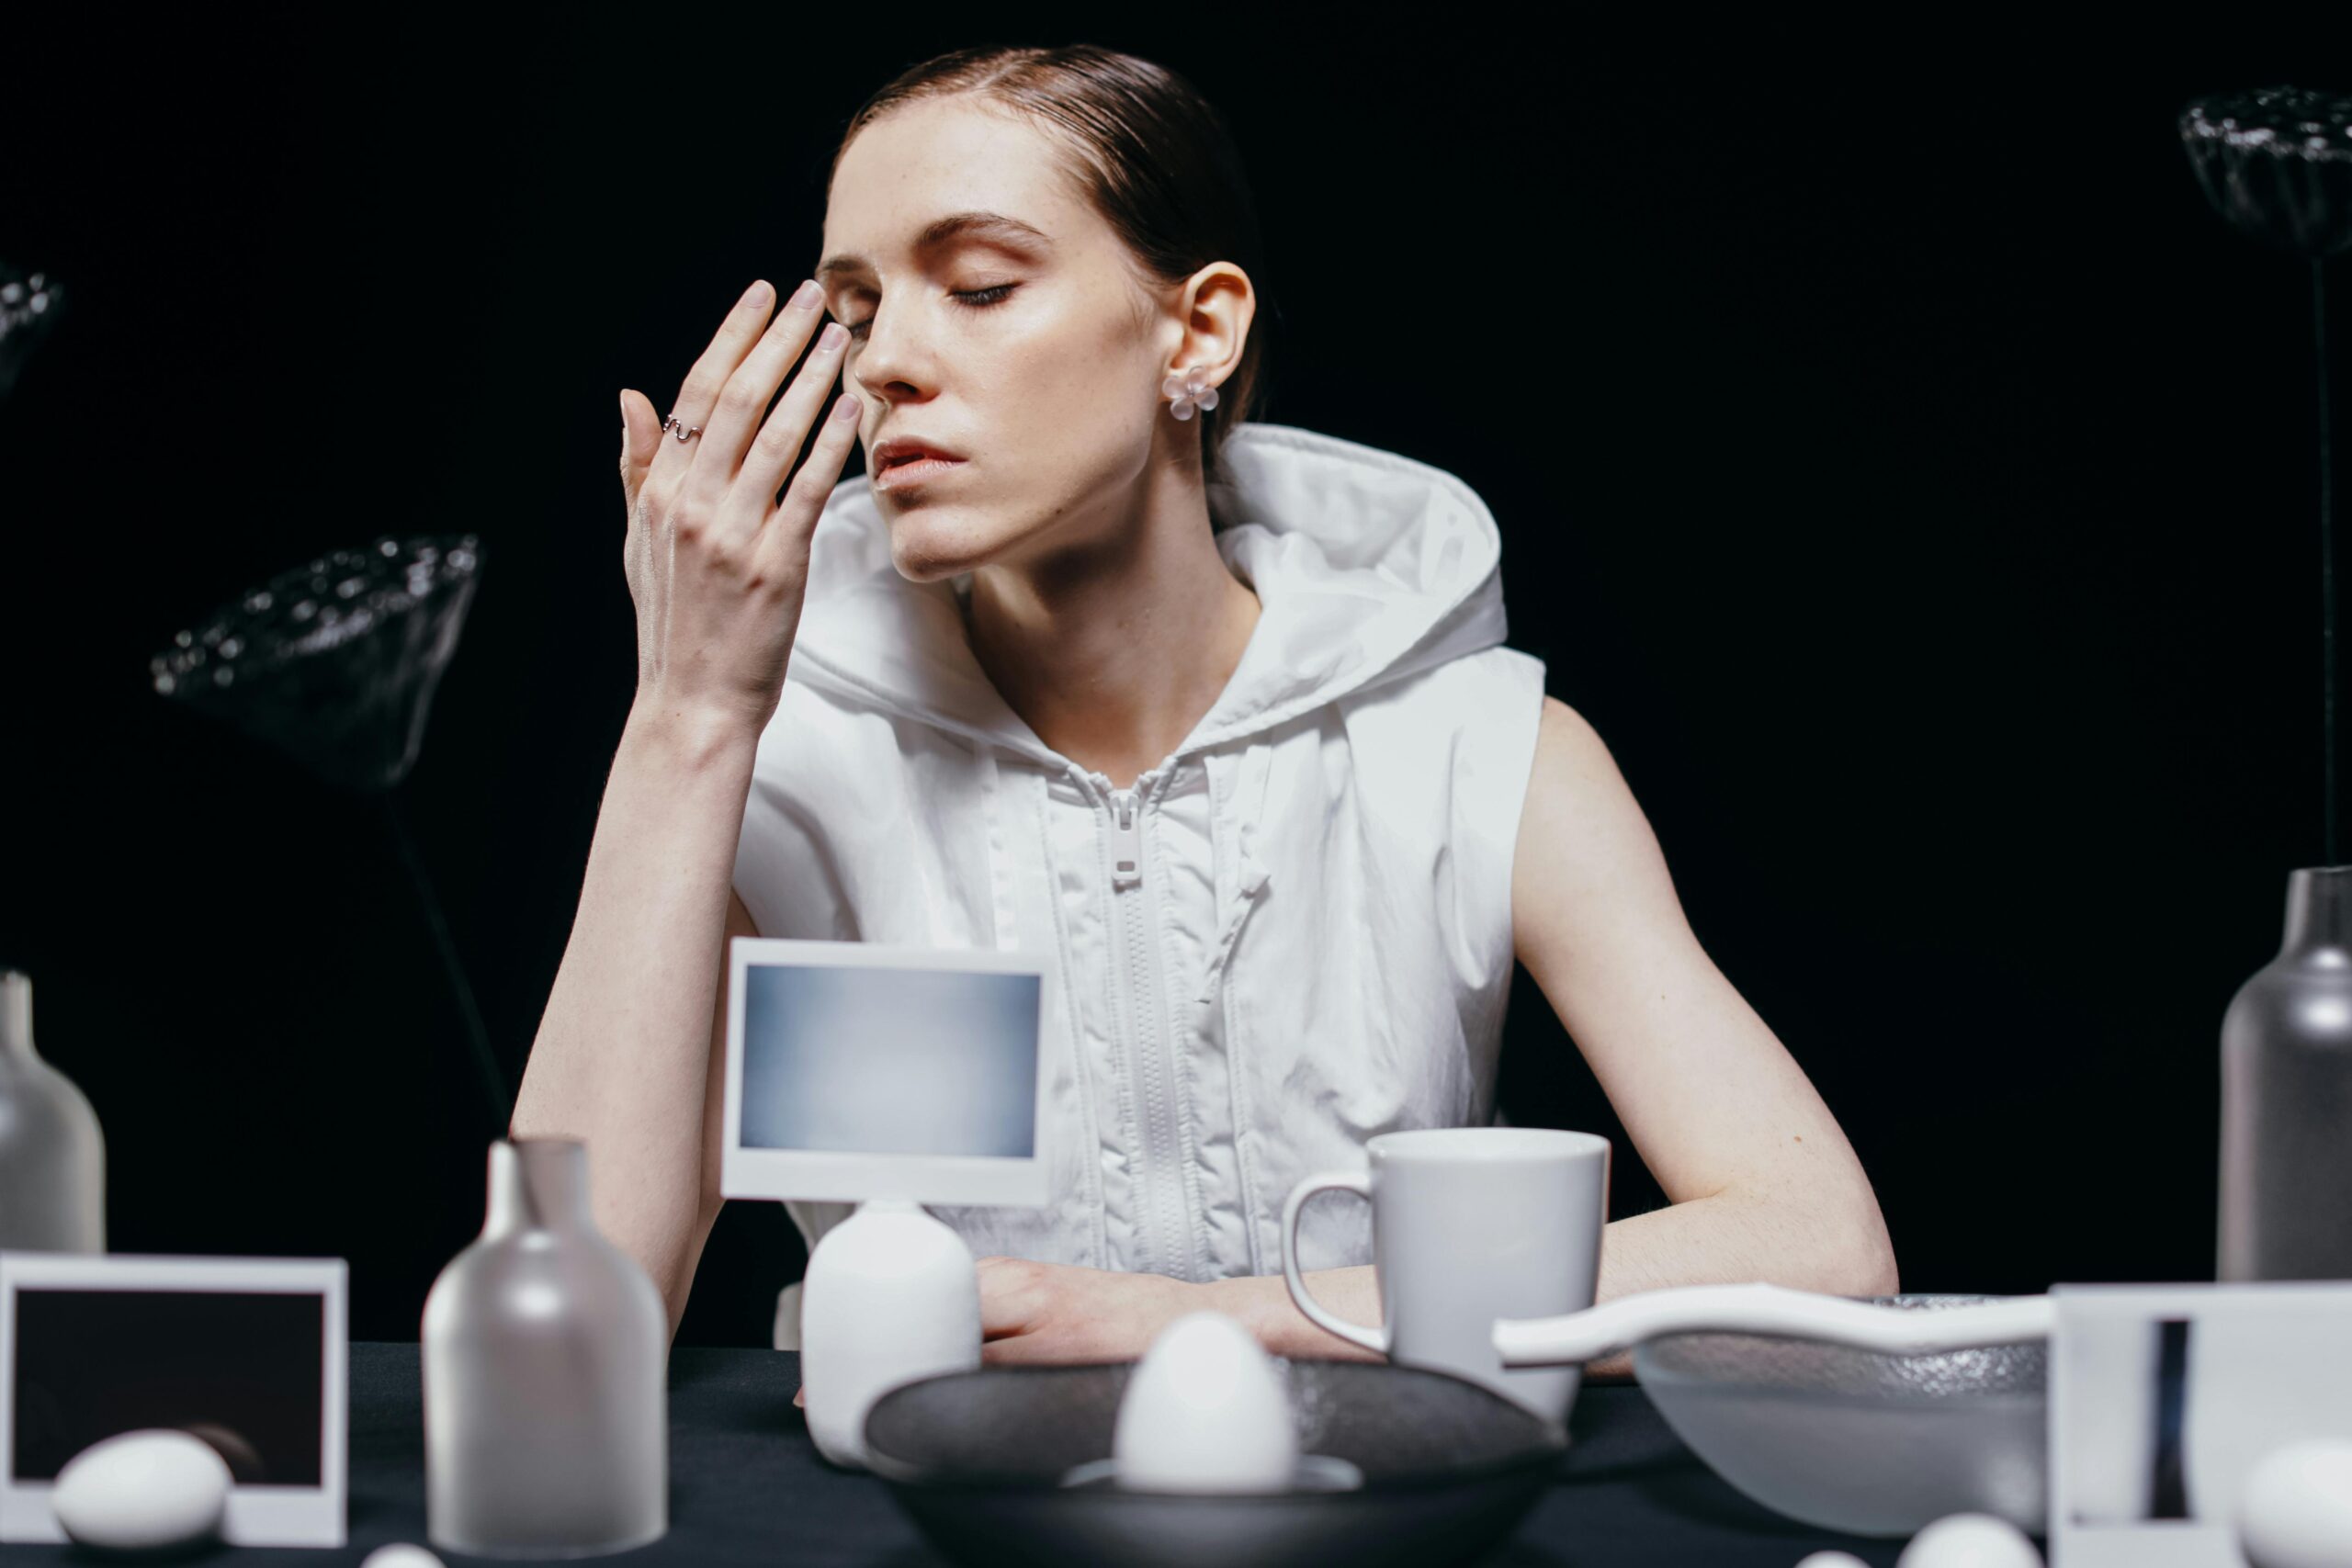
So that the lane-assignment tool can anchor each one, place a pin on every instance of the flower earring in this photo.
(1191, 390)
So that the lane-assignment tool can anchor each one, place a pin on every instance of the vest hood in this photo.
(1369, 567)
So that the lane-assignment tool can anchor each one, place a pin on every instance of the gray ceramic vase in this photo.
(2286, 1187)
(546, 1377)
(52, 1159)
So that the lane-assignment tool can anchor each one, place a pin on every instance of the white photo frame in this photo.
(2163, 1398)
(81, 1324)
(943, 1102)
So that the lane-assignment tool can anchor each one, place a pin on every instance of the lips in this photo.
(909, 449)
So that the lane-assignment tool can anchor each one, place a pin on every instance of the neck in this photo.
(15, 1016)
(1112, 648)
(537, 1184)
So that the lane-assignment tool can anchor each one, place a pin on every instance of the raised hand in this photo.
(717, 559)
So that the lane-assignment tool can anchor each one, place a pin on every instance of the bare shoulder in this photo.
(1587, 862)
(1574, 780)
(1567, 738)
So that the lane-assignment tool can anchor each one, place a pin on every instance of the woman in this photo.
(1217, 715)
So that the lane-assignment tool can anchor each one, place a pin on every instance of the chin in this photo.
(927, 543)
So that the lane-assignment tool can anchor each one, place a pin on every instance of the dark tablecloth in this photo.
(747, 1486)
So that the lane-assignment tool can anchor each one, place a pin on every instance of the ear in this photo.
(1216, 308)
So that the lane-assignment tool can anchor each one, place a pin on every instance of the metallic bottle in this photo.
(2286, 1177)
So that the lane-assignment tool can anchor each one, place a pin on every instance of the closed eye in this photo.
(974, 299)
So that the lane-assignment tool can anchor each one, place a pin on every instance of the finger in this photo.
(743, 400)
(640, 438)
(771, 457)
(1026, 1350)
(1007, 1315)
(800, 1396)
(700, 394)
(788, 531)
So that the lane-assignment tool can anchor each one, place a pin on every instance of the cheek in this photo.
(1088, 374)
(1081, 400)
(1089, 357)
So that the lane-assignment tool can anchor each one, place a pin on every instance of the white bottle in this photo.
(891, 1295)
(52, 1157)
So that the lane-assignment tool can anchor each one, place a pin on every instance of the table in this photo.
(747, 1486)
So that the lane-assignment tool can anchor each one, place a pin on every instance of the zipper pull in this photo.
(1126, 840)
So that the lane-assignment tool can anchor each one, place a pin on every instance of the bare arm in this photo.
(717, 563)
(627, 1057)
(1762, 1182)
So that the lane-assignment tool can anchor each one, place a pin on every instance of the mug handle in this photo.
(1359, 1184)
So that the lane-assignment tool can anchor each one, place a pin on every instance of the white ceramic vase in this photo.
(545, 1375)
(52, 1157)
(891, 1295)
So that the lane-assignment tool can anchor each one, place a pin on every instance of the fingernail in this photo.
(846, 409)
(832, 336)
(624, 410)
(757, 294)
(806, 297)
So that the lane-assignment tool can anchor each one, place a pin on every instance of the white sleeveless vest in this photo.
(1315, 944)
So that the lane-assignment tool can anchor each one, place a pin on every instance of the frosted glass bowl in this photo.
(1858, 1441)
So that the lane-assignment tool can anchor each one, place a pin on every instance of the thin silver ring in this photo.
(678, 427)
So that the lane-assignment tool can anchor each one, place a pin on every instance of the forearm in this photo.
(623, 1048)
(1733, 1239)
(1263, 1303)
(1725, 1239)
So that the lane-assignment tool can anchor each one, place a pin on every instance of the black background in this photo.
(1898, 463)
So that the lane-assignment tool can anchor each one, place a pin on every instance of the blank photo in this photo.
(890, 1061)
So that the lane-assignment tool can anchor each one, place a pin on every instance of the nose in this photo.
(890, 362)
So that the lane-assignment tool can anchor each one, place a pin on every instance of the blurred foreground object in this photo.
(546, 1353)
(30, 305)
(891, 1294)
(53, 1158)
(151, 1491)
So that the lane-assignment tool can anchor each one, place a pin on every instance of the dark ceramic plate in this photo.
(981, 1460)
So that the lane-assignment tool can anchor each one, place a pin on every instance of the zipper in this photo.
(1168, 1223)
(1126, 840)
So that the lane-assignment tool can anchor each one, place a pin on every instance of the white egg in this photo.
(139, 1490)
(400, 1554)
(1969, 1541)
(1205, 1411)
(2295, 1507)
(1814, 1559)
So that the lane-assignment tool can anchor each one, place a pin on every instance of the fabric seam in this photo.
(1184, 1111)
(1236, 1092)
(1077, 1032)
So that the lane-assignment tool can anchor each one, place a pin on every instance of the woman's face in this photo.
(1034, 356)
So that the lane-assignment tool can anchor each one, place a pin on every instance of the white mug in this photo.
(1470, 1224)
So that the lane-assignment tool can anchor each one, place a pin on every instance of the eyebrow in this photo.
(959, 226)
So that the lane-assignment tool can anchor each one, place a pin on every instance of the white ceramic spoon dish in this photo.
(1587, 1336)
